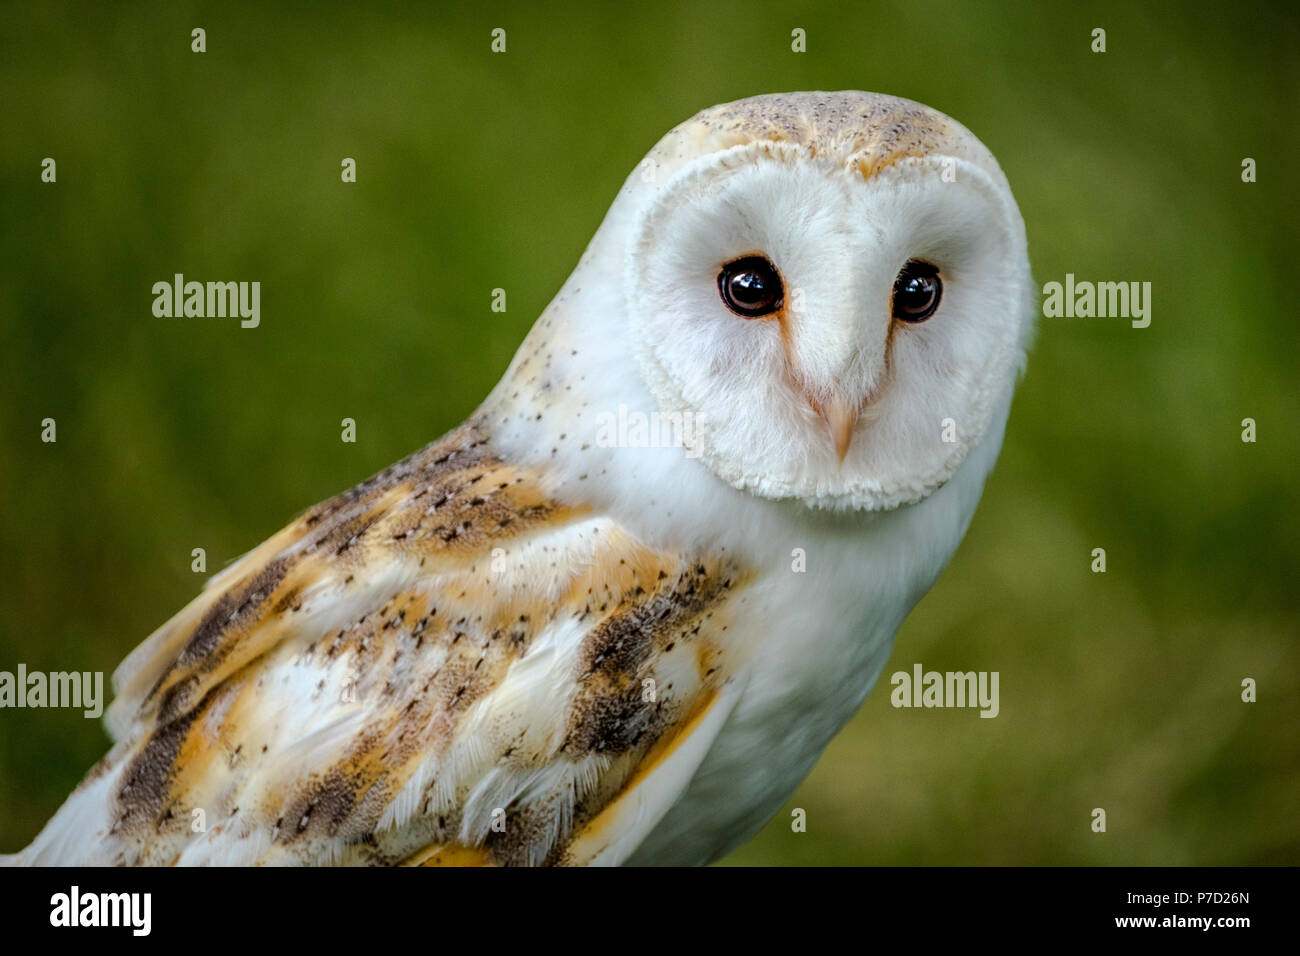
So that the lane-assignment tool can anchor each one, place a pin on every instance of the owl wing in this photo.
(442, 665)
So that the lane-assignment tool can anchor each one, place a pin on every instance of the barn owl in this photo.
(550, 637)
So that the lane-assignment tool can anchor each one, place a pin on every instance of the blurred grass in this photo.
(476, 171)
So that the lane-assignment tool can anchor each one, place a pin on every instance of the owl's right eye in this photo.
(917, 291)
(750, 287)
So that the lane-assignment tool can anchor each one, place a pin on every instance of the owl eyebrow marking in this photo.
(889, 348)
(870, 409)
(783, 326)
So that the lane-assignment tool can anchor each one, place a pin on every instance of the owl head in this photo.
(832, 288)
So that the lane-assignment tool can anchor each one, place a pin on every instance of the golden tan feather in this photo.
(486, 712)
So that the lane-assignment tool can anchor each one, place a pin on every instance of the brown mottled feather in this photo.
(212, 713)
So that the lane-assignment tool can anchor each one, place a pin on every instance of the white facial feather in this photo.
(838, 191)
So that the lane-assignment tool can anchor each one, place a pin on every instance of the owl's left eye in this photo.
(917, 291)
(750, 286)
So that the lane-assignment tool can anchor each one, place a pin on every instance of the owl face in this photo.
(839, 295)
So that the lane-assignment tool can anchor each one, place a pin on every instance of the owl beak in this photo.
(840, 417)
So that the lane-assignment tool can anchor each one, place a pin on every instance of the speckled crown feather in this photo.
(864, 131)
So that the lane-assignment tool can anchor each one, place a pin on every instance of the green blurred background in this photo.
(1118, 690)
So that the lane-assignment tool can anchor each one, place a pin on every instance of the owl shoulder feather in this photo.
(443, 664)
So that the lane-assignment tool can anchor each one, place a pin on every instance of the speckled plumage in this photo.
(523, 645)
(399, 765)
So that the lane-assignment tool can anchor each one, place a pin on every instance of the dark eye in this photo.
(750, 286)
(917, 291)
